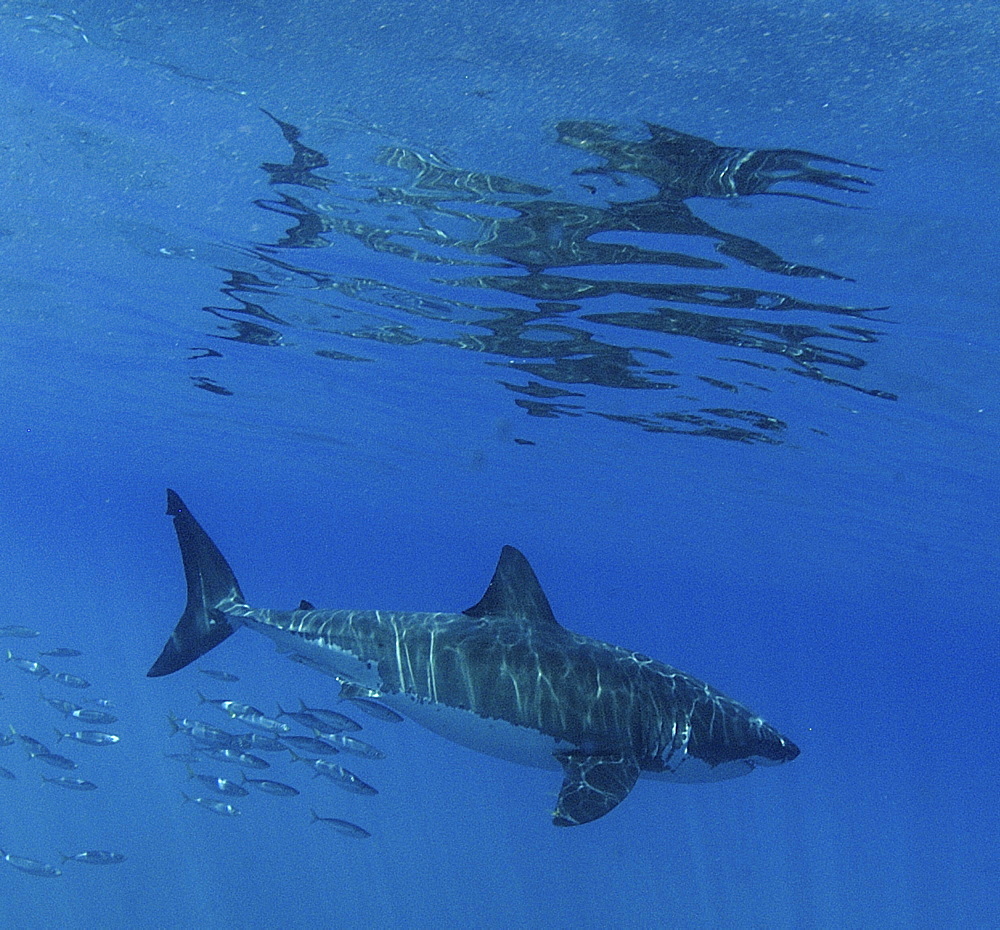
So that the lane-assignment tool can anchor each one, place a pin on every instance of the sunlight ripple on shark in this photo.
(503, 677)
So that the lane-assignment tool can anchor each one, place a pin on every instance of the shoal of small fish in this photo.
(224, 755)
(80, 718)
(330, 733)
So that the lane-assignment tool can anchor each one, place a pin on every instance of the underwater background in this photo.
(695, 304)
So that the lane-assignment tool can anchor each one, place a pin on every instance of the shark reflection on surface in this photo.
(547, 285)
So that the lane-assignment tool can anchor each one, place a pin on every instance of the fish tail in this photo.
(212, 589)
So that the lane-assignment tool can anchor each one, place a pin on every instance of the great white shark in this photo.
(503, 677)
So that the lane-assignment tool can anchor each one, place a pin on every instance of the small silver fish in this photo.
(257, 742)
(261, 721)
(96, 857)
(90, 737)
(221, 786)
(349, 781)
(31, 866)
(375, 709)
(64, 707)
(71, 681)
(340, 776)
(341, 826)
(54, 759)
(233, 708)
(277, 788)
(21, 632)
(200, 731)
(367, 700)
(329, 719)
(216, 807)
(320, 765)
(354, 746)
(240, 758)
(312, 744)
(30, 743)
(302, 717)
(28, 665)
(74, 784)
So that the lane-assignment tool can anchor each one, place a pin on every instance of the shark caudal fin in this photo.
(211, 590)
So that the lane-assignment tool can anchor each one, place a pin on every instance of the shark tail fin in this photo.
(212, 589)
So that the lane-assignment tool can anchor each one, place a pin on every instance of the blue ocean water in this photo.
(380, 288)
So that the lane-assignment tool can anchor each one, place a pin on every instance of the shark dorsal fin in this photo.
(514, 592)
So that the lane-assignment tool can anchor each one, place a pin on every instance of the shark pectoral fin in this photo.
(594, 784)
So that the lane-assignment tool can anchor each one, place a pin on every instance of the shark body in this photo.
(503, 677)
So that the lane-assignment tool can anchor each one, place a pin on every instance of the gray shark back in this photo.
(534, 674)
